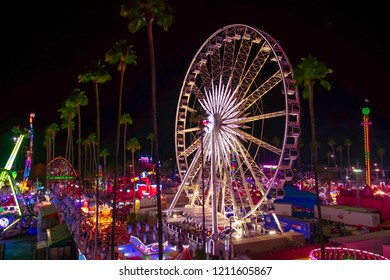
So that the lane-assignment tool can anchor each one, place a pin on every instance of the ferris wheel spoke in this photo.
(190, 149)
(197, 92)
(242, 55)
(262, 90)
(249, 163)
(251, 74)
(189, 130)
(228, 58)
(188, 176)
(262, 117)
(260, 143)
(215, 62)
(243, 183)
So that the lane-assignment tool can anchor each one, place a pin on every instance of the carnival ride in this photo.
(238, 107)
(29, 154)
(146, 189)
(22, 211)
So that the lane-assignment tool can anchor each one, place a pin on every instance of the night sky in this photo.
(45, 47)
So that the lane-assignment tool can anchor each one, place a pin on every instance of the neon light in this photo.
(15, 196)
(366, 111)
(234, 164)
(10, 225)
(269, 166)
(4, 222)
(142, 176)
(11, 159)
(339, 253)
(27, 167)
(59, 177)
(366, 122)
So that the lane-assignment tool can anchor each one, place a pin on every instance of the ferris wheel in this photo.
(237, 124)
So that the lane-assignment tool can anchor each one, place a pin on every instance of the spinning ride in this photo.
(22, 211)
(238, 110)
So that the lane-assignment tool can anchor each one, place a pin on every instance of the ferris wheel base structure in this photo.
(238, 110)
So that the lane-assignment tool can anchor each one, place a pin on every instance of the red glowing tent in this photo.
(10, 202)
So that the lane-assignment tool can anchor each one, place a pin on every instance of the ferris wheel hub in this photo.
(209, 124)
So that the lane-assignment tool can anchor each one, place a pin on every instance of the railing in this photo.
(340, 253)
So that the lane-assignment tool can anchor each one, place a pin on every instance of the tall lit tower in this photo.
(366, 123)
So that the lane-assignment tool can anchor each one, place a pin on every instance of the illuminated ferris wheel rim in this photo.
(228, 79)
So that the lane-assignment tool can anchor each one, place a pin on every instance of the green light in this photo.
(366, 111)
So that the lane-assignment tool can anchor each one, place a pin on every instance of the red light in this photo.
(205, 122)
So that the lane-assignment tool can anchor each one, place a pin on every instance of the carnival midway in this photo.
(222, 202)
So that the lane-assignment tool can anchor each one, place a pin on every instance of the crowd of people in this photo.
(82, 226)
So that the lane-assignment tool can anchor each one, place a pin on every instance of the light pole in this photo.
(366, 123)
(376, 172)
(201, 126)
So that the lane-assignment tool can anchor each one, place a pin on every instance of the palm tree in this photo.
(340, 149)
(381, 153)
(67, 114)
(300, 146)
(96, 73)
(331, 143)
(151, 138)
(121, 54)
(104, 153)
(87, 156)
(348, 143)
(318, 146)
(133, 145)
(125, 119)
(92, 142)
(51, 132)
(143, 13)
(47, 145)
(328, 156)
(79, 99)
(307, 73)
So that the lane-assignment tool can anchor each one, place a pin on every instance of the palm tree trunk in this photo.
(91, 159)
(349, 162)
(118, 132)
(79, 144)
(155, 131)
(97, 169)
(132, 161)
(341, 164)
(151, 147)
(85, 160)
(315, 167)
(54, 148)
(124, 149)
